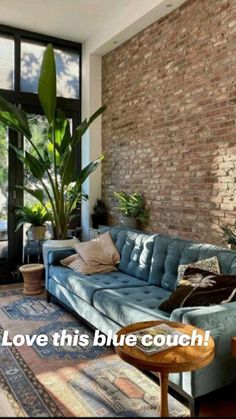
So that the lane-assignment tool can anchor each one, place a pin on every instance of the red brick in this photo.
(169, 130)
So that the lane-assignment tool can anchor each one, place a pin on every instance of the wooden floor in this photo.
(221, 403)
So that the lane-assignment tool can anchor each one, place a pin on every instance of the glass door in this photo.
(39, 128)
(32, 249)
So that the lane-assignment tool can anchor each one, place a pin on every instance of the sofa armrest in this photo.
(220, 320)
(53, 258)
(178, 314)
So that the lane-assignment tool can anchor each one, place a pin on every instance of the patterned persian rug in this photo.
(54, 381)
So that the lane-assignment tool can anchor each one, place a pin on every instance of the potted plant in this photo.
(132, 208)
(54, 169)
(229, 236)
(36, 216)
(99, 216)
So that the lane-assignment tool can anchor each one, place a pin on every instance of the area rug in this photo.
(69, 381)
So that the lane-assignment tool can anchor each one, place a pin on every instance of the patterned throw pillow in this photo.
(201, 288)
(210, 264)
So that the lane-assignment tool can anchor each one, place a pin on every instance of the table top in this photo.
(173, 359)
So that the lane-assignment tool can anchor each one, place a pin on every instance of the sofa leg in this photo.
(48, 297)
(194, 407)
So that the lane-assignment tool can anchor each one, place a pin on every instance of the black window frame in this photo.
(25, 98)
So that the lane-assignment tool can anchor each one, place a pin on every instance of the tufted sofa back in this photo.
(166, 257)
(170, 252)
(135, 250)
(155, 257)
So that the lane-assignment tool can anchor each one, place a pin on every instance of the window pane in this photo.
(6, 63)
(39, 128)
(67, 64)
(67, 74)
(31, 58)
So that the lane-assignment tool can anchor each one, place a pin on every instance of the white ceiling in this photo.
(98, 22)
(76, 20)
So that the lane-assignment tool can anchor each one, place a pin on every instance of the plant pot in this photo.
(57, 244)
(129, 222)
(36, 232)
(97, 220)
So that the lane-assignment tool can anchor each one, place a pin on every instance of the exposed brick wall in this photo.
(169, 129)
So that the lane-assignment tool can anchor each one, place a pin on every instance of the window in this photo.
(7, 62)
(67, 65)
(20, 62)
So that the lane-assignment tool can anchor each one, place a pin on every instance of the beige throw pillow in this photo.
(95, 256)
(76, 263)
(98, 251)
(210, 264)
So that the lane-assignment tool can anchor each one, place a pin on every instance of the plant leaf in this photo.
(96, 114)
(19, 153)
(35, 166)
(82, 128)
(14, 118)
(47, 84)
(66, 140)
(69, 171)
(88, 170)
(61, 123)
(36, 193)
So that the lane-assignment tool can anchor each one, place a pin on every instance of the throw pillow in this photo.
(76, 263)
(210, 264)
(201, 288)
(99, 251)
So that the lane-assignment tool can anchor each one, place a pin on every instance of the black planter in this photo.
(97, 220)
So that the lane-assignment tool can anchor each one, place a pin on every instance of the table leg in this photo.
(164, 394)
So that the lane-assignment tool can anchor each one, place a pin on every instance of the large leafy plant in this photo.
(58, 187)
(132, 205)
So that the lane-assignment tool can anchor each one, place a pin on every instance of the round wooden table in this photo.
(173, 359)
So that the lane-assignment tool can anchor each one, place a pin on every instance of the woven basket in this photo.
(33, 275)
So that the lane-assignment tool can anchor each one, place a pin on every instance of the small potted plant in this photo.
(132, 208)
(99, 216)
(229, 236)
(36, 216)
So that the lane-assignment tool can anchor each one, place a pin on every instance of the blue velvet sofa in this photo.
(146, 277)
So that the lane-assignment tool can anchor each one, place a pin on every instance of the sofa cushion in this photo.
(135, 250)
(84, 286)
(170, 252)
(165, 260)
(195, 252)
(130, 305)
(136, 255)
